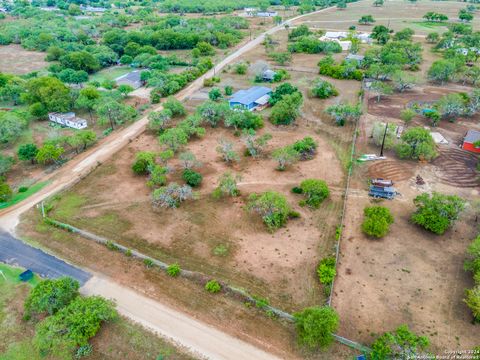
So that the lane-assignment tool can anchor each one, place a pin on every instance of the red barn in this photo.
(471, 137)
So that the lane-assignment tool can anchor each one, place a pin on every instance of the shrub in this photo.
(285, 156)
(49, 296)
(173, 270)
(394, 345)
(175, 106)
(192, 177)
(215, 94)
(272, 207)
(323, 90)
(437, 212)
(473, 262)
(326, 270)
(315, 326)
(143, 160)
(228, 90)
(305, 148)
(407, 115)
(315, 191)
(22, 189)
(241, 69)
(377, 220)
(297, 190)
(227, 185)
(472, 299)
(213, 286)
(5, 192)
(172, 195)
(286, 111)
(417, 143)
(148, 263)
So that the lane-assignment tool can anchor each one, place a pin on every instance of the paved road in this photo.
(193, 334)
(16, 252)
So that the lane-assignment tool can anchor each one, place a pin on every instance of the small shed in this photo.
(338, 35)
(132, 79)
(251, 99)
(268, 75)
(471, 137)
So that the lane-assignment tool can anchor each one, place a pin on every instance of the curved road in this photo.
(196, 336)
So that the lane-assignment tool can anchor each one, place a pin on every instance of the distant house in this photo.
(267, 14)
(344, 44)
(93, 9)
(470, 139)
(251, 99)
(335, 35)
(268, 75)
(250, 11)
(355, 57)
(68, 119)
(364, 38)
(132, 78)
(3, 10)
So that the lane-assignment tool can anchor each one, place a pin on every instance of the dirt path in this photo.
(198, 337)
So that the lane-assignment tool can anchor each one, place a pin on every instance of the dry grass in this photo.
(16, 60)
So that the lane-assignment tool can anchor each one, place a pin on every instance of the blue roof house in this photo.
(251, 98)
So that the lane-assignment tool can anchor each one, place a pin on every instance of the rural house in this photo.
(68, 119)
(132, 78)
(335, 35)
(355, 57)
(470, 139)
(254, 98)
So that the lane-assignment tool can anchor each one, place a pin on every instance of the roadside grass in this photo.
(67, 205)
(11, 275)
(17, 197)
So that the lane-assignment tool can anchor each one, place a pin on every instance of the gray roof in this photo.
(355, 57)
(472, 136)
(249, 96)
(269, 74)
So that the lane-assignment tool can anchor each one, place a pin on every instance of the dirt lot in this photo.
(396, 14)
(410, 276)
(16, 60)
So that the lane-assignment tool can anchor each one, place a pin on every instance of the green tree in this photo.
(5, 192)
(227, 185)
(433, 37)
(281, 58)
(80, 60)
(285, 156)
(407, 115)
(205, 49)
(399, 344)
(403, 81)
(272, 207)
(6, 163)
(27, 152)
(241, 68)
(465, 15)
(82, 139)
(175, 106)
(326, 273)
(380, 33)
(417, 143)
(172, 195)
(286, 111)
(281, 91)
(378, 133)
(49, 153)
(74, 9)
(213, 112)
(158, 175)
(73, 325)
(243, 119)
(114, 113)
(125, 90)
(50, 92)
(255, 144)
(405, 34)
(377, 221)
(88, 99)
(143, 161)
(366, 20)
(215, 94)
(451, 106)
(323, 89)
(50, 296)
(315, 192)
(380, 88)
(227, 151)
(472, 299)
(173, 138)
(437, 212)
(343, 112)
(316, 325)
(159, 120)
(441, 71)
(191, 177)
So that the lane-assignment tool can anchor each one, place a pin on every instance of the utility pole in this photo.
(383, 141)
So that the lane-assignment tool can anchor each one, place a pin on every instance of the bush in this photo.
(472, 299)
(228, 90)
(175, 106)
(315, 326)
(326, 270)
(394, 345)
(437, 212)
(297, 190)
(241, 69)
(272, 207)
(22, 189)
(417, 143)
(143, 161)
(49, 296)
(377, 220)
(148, 263)
(5, 192)
(407, 115)
(286, 111)
(192, 177)
(305, 148)
(315, 191)
(227, 185)
(213, 286)
(323, 90)
(173, 270)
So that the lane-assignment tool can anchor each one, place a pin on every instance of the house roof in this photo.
(263, 100)
(133, 76)
(246, 97)
(336, 34)
(269, 74)
(472, 136)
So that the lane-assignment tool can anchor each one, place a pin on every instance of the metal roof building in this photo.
(251, 98)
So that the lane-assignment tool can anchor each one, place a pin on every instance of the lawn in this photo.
(10, 274)
(110, 73)
(20, 196)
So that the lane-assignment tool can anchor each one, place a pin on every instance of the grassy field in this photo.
(110, 73)
(16, 60)
(118, 340)
(20, 196)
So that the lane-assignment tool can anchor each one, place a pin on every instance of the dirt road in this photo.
(205, 340)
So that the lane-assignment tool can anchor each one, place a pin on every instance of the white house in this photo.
(344, 44)
(68, 119)
(364, 38)
(335, 35)
(267, 14)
